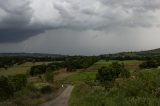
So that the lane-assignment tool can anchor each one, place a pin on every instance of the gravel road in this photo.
(61, 100)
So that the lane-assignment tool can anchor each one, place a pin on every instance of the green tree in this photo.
(107, 74)
(6, 89)
(49, 76)
(18, 81)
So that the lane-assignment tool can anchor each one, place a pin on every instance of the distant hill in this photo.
(30, 55)
(150, 52)
(154, 52)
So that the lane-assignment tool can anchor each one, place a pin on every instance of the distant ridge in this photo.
(30, 55)
(153, 52)
(150, 52)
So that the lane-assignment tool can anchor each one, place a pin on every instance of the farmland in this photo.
(136, 90)
(19, 69)
(87, 90)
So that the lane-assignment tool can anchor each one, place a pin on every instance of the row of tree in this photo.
(80, 63)
(41, 69)
(6, 62)
(71, 64)
(150, 64)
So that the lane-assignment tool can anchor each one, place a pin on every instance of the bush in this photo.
(46, 89)
(39, 69)
(149, 64)
(49, 77)
(107, 74)
(18, 81)
(125, 73)
(79, 63)
(43, 87)
(6, 89)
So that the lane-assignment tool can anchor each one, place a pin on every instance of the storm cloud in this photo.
(21, 20)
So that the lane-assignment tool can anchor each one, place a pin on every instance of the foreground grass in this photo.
(27, 97)
(30, 95)
(142, 89)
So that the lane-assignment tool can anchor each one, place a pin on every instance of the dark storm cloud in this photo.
(21, 19)
(17, 35)
(14, 14)
(14, 21)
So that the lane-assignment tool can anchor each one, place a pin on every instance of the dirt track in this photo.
(61, 100)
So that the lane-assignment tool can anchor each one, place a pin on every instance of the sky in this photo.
(79, 27)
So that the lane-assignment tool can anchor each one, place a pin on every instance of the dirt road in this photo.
(61, 100)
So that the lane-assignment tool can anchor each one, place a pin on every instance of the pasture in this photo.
(88, 92)
(79, 77)
(129, 64)
(141, 89)
(19, 69)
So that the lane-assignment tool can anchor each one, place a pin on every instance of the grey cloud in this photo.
(18, 14)
(14, 26)
(21, 19)
(17, 35)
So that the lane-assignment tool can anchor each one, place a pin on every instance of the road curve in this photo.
(61, 100)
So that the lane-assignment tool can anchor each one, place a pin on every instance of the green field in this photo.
(79, 77)
(129, 64)
(20, 69)
(141, 89)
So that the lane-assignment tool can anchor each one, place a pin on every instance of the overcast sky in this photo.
(79, 27)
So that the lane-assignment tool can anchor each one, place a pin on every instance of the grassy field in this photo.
(79, 77)
(29, 95)
(129, 64)
(141, 89)
(20, 69)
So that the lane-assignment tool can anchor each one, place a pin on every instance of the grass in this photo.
(20, 69)
(140, 90)
(83, 95)
(79, 77)
(129, 64)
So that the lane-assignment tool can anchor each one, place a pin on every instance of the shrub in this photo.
(46, 89)
(149, 64)
(39, 69)
(18, 81)
(107, 74)
(125, 73)
(43, 87)
(6, 89)
(49, 77)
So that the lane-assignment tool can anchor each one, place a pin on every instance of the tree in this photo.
(149, 64)
(6, 89)
(37, 70)
(49, 76)
(18, 81)
(107, 74)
